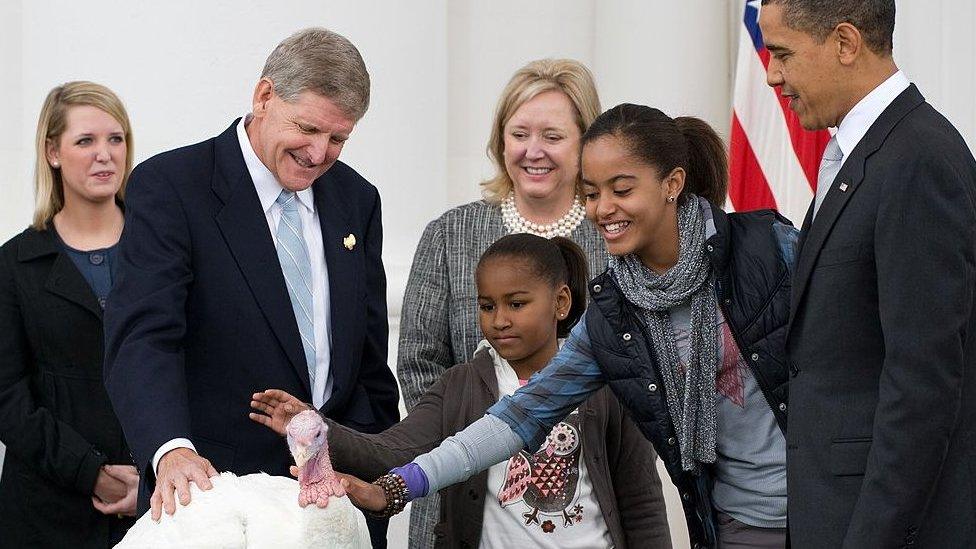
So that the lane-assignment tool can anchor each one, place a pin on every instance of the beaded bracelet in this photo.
(396, 492)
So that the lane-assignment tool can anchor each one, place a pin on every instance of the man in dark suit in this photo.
(881, 438)
(248, 261)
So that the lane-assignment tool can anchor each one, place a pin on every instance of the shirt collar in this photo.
(265, 184)
(501, 365)
(860, 119)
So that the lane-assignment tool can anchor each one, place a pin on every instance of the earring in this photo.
(55, 165)
(670, 199)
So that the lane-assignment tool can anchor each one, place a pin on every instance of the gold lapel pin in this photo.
(843, 187)
(349, 242)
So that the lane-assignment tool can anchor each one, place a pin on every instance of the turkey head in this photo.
(308, 442)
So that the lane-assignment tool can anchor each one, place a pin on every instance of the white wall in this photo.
(185, 69)
(935, 46)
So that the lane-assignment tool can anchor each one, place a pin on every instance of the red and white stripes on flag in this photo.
(773, 161)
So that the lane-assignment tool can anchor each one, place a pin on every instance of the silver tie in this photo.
(830, 164)
(297, 268)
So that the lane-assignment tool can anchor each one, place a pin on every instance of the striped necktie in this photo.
(829, 166)
(297, 268)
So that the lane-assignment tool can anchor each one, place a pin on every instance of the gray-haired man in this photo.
(248, 261)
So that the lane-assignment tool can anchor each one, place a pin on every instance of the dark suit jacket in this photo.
(55, 417)
(200, 317)
(881, 438)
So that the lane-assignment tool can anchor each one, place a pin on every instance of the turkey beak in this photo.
(301, 454)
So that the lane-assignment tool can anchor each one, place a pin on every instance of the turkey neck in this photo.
(317, 469)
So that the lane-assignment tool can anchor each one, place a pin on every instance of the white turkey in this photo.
(259, 510)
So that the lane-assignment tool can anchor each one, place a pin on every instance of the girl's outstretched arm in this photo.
(521, 420)
(364, 455)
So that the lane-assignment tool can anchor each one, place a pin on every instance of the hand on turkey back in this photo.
(308, 441)
(177, 468)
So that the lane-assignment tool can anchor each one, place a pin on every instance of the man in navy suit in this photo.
(248, 261)
(881, 437)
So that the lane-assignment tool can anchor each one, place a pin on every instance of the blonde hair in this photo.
(48, 187)
(565, 75)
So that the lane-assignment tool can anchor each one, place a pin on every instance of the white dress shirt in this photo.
(268, 190)
(865, 113)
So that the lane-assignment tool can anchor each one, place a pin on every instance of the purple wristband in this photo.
(415, 479)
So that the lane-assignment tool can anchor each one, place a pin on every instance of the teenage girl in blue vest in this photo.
(687, 327)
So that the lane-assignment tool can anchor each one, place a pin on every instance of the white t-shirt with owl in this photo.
(543, 499)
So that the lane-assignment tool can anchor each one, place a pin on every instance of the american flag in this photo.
(773, 161)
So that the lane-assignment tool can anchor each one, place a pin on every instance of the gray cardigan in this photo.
(439, 319)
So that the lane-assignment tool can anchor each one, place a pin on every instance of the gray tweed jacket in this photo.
(439, 319)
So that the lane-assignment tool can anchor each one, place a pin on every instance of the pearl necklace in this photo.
(564, 226)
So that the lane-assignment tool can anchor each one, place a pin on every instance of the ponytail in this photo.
(657, 140)
(577, 275)
(707, 172)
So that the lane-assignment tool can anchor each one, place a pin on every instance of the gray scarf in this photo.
(690, 390)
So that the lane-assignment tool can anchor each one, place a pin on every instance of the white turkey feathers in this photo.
(252, 511)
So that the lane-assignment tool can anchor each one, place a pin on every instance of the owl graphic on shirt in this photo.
(546, 482)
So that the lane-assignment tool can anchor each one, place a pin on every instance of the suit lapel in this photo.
(851, 174)
(245, 229)
(345, 279)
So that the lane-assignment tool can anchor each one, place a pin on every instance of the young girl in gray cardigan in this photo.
(592, 483)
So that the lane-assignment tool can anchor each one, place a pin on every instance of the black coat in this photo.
(55, 417)
(881, 446)
(752, 255)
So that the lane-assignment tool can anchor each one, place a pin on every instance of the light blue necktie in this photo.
(297, 268)
(830, 164)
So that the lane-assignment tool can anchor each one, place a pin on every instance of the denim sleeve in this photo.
(554, 392)
(480, 445)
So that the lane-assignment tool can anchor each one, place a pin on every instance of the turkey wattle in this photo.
(259, 510)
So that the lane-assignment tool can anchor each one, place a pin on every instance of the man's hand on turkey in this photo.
(177, 469)
(276, 409)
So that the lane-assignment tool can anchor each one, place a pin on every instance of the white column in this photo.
(16, 155)
(935, 46)
(674, 56)
(488, 42)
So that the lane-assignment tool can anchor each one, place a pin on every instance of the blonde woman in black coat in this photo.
(67, 475)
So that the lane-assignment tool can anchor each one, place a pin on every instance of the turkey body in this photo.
(252, 511)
